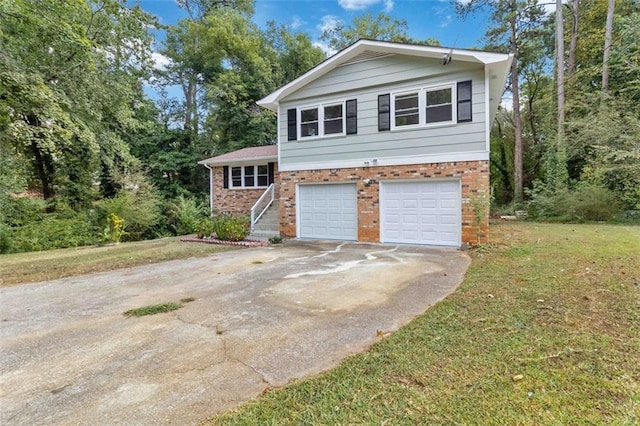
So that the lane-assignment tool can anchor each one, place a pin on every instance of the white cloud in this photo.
(296, 23)
(547, 5)
(363, 4)
(328, 23)
(325, 48)
(445, 22)
(160, 62)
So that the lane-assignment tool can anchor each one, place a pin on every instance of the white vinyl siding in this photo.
(409, 146)
(420, 212)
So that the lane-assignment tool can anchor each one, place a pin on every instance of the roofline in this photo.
(207, 161)
(472, 56)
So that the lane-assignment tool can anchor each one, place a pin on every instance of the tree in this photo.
(382, 27)
(72, 75)
(295, 53)
(574, 6)
(607, 45)
(513, 22)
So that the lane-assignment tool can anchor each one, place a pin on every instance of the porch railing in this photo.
(262, 205)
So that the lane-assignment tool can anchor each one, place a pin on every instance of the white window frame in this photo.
(321, 107)
(242, 176)
(422, 106)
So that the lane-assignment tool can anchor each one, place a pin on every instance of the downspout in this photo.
(210, 189)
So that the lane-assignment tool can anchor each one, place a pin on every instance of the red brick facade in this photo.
(474, 176)
(237, 201)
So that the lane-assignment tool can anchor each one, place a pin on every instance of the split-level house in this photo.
(382, 142)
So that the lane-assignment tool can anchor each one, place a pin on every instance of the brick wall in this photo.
(236, 201)
(474, 176)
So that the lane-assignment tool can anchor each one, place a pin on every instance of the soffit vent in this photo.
(367, 55)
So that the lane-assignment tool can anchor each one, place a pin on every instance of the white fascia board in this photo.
(497, 73)
(381, 162)
(470, 56)
(239, 161)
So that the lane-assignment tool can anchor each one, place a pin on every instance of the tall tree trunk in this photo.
(517, 119)
(44, 170)
(607, 45)
(573, 44)
(560, 71)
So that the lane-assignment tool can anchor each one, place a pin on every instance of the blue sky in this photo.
(425, 18)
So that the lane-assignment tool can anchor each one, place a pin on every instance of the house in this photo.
(382, 142)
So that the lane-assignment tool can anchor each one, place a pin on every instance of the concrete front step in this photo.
(268, 225)
(263, 235)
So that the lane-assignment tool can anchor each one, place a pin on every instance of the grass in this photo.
(152, 309)
(47, 265)
(545, 330)
(157, 309)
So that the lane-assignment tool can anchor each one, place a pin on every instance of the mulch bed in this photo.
(245, 243)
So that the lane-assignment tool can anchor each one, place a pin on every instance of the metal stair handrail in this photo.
(267, 199)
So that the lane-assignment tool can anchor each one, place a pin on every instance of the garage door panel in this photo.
(422, 212)
(328, 211)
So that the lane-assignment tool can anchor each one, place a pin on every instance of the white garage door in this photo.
(420, 212)
(328, 211)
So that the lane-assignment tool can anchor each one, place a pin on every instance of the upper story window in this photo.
(423, 107)
(407, 109)
(321, 120)
(328, 119)
(439, 106)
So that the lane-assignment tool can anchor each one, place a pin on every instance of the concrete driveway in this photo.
(261, 317)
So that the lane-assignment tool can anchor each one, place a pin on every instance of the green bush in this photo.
(5, 239)
(21, 211)
(185, 215)
(231, 228)
(585, 202)
(53, 232)
(140, 211)
(205, 227)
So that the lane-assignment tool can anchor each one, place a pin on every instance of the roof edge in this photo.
(271, 101)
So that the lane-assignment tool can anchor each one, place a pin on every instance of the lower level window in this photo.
(249, 176)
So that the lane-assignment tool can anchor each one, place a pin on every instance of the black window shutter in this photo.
(225, 173)
(271, 172)
(384, 112)
(352, 117)
(292, 125)
(464, 101)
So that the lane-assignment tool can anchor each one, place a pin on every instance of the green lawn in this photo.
(545, 330)
(51, 264)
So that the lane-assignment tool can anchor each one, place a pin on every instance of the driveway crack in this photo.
(239, 361)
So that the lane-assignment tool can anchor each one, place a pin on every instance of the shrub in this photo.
(140, 210)
(231, 228)
(585, 202)
(185, 215)
(53, 232)
(5, 239)
(205, 227)
(115, 229)
(275, 240)
(16, 211)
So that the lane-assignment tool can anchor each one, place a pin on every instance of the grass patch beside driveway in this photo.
(52, 264)
(558, 305)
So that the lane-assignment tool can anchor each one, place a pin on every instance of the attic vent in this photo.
(367, 55)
